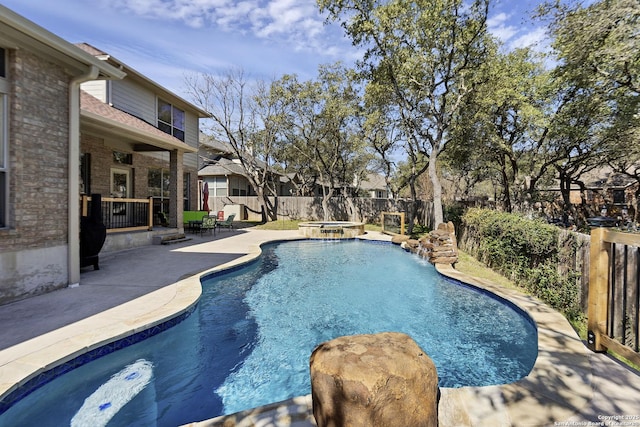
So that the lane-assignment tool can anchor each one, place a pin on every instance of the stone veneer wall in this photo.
(33, 249)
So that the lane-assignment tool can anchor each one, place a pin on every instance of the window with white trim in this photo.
(218, 186)
(4, 173)
(170, 119)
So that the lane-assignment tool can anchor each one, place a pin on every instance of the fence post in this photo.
(84, 206)
(598, 289)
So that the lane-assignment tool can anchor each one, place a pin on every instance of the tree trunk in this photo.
(326, 196)
(412, 206)
(272, 211)
(506, 196)
(267, 210)
(636, 204)
(353, 214)
(565, 191)
(438, 216)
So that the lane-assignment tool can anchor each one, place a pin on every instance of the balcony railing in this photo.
(120, 215)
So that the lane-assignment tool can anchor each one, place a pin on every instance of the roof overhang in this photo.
(17, 32)
(144, 81)
(137, 138)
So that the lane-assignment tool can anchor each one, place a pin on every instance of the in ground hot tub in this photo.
(331, 229)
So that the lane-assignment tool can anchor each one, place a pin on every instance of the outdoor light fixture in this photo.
(591, 340)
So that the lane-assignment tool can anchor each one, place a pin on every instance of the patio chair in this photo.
(228, 223)
(209, 222)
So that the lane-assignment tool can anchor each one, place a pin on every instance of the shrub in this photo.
(525, 250)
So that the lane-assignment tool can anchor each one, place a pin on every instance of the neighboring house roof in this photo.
(17, 31)
(222, 167)
(226, 166)
(124, 125)
(144, 80)
(373, 181)
(598, 179)
(214, 145)
(606, 177)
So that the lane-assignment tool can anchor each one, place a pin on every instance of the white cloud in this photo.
(497, 20)
(499, 28)
(282, 20)
(504, 27)
(536, 38)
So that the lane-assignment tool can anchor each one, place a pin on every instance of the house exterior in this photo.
(375, 187)
(225, 176)
(602, 192)
(608, 193)
(76, 122)
(40, 78)
(229, 189)
(139, 140)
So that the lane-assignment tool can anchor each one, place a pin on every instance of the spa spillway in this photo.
(331, 229)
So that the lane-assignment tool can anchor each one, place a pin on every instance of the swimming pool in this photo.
(297, 295)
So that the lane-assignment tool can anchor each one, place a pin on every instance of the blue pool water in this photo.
(249, 340)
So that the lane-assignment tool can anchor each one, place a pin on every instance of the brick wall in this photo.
(33, 248)
(38, 153)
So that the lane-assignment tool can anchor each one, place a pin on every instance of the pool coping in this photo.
(558, 386)
(47, 354)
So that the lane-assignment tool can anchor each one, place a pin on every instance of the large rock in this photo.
(379, 380)
(399, 239)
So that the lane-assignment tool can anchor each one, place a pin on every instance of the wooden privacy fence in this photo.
(614, 293)
(310, 208)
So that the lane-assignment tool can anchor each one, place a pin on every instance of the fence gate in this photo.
(614, 293)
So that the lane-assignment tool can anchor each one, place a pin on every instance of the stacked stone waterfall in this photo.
(438, 247)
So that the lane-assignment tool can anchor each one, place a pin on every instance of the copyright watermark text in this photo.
(605, 420)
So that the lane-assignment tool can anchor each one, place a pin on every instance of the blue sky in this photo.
(168, 39)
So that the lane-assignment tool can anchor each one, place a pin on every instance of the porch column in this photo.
(176, 199)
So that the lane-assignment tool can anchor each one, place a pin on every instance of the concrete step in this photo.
(169, 239)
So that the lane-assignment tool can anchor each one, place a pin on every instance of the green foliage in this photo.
(527, 252)
(422, 60)
(419, 230)
(454, 213)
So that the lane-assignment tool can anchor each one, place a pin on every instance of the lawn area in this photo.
(471, 266)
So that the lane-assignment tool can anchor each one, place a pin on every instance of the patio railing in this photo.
(614, 293)
(120, 215)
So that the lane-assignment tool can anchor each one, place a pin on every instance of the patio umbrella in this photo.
(205, 197)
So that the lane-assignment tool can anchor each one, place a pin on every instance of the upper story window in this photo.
(170, 119)
(3, 67)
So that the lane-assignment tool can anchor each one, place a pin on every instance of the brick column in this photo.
(176, 198)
